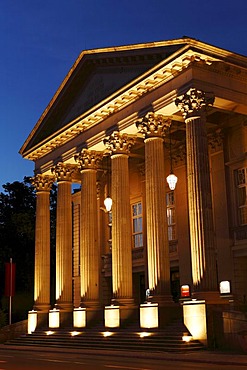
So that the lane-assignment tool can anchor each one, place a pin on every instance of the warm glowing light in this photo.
(149, 316)
(32, 321)
(112, 316)
(74, 333)
(172, 181)
(79, 317)
(185, 291)
(107, 333)
(187, 338)
(194, 313)
(49, 332)
(54, 318)
(144, 334)
(225, 287)
(108, 203)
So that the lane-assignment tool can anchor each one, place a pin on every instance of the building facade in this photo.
(123, 119)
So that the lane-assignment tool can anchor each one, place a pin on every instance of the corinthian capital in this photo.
(62, 171)
(194, 102)
(42, 182)
(118, 143)
(88, 159)
(153, 125)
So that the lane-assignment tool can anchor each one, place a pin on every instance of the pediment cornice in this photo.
(144, 84)
(191, 53)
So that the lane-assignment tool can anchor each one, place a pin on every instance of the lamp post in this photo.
(108, 199)
(171, 178)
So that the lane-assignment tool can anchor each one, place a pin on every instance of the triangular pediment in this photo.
(94, 76)
(101, 74)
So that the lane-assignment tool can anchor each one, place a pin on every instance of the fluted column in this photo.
(193, 105)
(153, 128)
(119, 146)
(63, 237)
(42, 243)
(89, 246)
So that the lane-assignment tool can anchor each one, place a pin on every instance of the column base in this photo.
(67, 306)
(123, 301)
(42, 307)
(90, 304)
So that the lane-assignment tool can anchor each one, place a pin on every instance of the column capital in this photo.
(88, 159)
(42, 182)
(63, 172)
(153, 125)
(118, 143)
(194, 102)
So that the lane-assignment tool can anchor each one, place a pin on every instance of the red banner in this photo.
(10, 279)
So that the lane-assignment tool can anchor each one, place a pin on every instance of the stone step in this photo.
(121, 339)
(130, 338)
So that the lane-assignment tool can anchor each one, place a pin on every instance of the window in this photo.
(136, 209)
(170, 204)
(241, 183)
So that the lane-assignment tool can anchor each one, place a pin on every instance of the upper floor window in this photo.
(137, 229)
(241, 183)
(170, 209)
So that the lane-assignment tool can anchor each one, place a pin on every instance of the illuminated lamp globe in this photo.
(108, 203)
(172, 181)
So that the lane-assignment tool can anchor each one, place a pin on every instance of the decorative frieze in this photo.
(153, 125)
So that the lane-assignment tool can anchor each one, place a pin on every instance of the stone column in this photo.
(193, 105)
(89, 246)
(119, 146)
(153, 128)
(64, 299)
(42, 243)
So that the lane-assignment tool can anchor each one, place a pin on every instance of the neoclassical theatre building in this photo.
(123, 121)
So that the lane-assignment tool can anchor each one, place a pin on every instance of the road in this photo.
(35, 360)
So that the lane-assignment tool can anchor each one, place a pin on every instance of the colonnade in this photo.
(153, 127)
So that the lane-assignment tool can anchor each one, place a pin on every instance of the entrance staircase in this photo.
(130, 338)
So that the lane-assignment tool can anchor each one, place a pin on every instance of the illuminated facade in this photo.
(120, 121)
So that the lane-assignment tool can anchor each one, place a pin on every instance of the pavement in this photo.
(201, 356)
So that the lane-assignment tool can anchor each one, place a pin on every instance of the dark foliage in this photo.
(17, 231)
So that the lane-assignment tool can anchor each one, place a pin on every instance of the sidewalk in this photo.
(203, 356)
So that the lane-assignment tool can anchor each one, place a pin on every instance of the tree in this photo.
(17, 230)
(17, 225)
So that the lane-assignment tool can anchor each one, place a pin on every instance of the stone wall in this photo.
(235, 330)
(13, 331)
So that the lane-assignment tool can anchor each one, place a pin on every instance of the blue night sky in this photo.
(40, 40)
